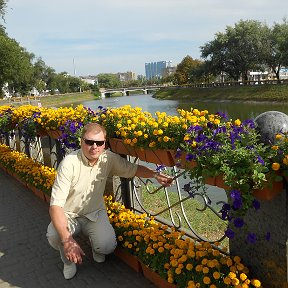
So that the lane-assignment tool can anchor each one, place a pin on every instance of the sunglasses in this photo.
(92, 142)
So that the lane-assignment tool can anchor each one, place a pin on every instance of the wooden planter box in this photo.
(131, 260)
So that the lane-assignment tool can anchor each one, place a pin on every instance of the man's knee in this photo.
(105, 244)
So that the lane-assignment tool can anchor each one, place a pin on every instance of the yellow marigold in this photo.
(275, 147)
(189, 266)
(191, 284)
(256, 283)
(275, 166)
(160, 249)
(227, 281)
(285, 160)
(243, 276)
(170, 280)
(206, 280)
(235, 281)
(178, 270)
(216, 275)
(232, 275)
(205, 270)
(278, 136)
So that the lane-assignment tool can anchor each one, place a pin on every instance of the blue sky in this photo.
(113, 36)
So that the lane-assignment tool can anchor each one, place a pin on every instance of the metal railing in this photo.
(172, 206)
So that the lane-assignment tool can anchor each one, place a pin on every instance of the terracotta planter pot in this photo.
(210, 181)
(182, 163)
(129, 259)
(220, 182)
(268, 193)
(42, 133)
(37, 192)
(118, 146)
(3, 168)
(17, 177)
(158, 156)
(55, 134)
(155, 278)
(47, 198)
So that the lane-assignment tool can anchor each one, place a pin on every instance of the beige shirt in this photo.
(79, 187)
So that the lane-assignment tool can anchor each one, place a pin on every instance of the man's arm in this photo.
(145, 172)
(60, 222)
(72, 250)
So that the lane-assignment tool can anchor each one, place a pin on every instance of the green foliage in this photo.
(108, 81)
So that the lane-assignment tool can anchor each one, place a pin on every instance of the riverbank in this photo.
(57, 100)
(257, 93)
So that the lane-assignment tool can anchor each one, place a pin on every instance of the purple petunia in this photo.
(230, 233)
(256, 204)
(251, 238)
(238, 222)
(260, 160)
(235, 194)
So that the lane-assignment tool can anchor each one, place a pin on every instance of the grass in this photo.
(205, 223)
(261, 93)
(58, 100)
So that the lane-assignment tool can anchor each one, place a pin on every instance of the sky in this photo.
(88, 37)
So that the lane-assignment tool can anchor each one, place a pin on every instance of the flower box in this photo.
(157, 156)
(220, 182)
(131, 260)
(54, 134)
(269, 192)
(118, 146)
(155, 278)
(182, 162)
(210, 181)
(37, 192)
(19, 179)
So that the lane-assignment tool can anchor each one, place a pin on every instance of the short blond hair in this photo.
(95, 127)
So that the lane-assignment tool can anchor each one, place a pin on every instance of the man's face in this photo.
(92, 152)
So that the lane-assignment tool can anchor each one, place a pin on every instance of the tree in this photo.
(108, 80)
(276, 48)
(15, 65)
(238, 50)
(3, 5)
(184, 72)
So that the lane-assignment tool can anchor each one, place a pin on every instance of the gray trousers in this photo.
(100, 233)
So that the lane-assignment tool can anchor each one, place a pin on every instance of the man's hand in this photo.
(163, 179)
(73, 251)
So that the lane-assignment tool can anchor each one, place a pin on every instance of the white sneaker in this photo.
(99, 258)
(69, 270)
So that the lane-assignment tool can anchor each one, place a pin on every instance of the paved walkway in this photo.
(27, 260)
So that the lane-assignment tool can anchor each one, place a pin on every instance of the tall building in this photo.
(126, 76)
(156, 69)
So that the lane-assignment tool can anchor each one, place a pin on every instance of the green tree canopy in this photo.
(15, 65)
(276, 47)
(108, 80)
(185, 70)
(238, 50)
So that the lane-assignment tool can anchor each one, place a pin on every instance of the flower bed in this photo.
(177, 259)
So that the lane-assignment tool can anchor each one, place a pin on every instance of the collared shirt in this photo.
(79, 187)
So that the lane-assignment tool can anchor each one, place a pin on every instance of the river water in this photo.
(242, 110)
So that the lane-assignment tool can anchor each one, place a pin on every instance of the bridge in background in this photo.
(127, 91)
